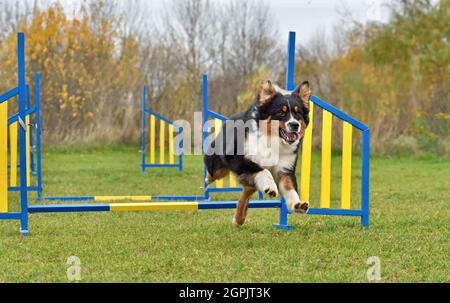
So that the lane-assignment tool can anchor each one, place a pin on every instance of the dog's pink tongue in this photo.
(292, 136)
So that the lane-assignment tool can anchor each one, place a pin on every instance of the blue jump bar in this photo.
(338, 113)
(232, 204)
(10, 216)
(17, 188)
(68, 208)
(224, 190)
(150, 112)
(14, 117)
(65, 208)
(216, 115)
(334, 211)
(161, 165)
(8, 95)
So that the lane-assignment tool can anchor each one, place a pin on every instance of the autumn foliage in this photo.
(394, 76)
(89, 82)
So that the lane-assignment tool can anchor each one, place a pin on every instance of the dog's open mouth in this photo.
(289, 137)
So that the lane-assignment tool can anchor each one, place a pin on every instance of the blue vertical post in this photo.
(31, 132)
(144, 127)
(283, 225)
(365, 177)
(22, 87)
(290, 85)
(205, 127)
(37, 94)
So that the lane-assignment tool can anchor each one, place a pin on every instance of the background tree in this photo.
(96, 55)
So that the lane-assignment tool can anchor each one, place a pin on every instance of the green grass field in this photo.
(409, 228)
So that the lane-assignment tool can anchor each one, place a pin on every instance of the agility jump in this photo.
(328, 112)
(153, 116)
(190, 202)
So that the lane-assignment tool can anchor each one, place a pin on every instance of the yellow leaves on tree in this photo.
(82, 69)
(247, 96)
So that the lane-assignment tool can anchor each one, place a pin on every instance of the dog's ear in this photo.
(265, 92)
(304, 92)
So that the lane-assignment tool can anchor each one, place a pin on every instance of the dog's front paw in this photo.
(298, 207)
(266, 184)
(301, 207)
(238, 221)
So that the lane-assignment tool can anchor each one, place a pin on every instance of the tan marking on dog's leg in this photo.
(291, 196)
(242, 206)
(218, 174)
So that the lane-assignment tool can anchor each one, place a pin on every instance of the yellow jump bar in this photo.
(346, 164)
(13, 144)
(305, 180)
(171, 156)
(154, 206)
(123, 198)
(152, 139)
(162, 141)
(217, 128)
(233, 181)
(28, 150)
(326, 160)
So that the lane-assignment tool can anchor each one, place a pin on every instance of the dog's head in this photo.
(290, 109)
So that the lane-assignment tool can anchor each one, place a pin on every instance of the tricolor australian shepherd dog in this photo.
(264, 155)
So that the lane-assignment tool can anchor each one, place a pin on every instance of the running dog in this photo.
(278, 115)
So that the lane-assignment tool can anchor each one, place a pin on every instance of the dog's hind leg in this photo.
(215, 168)
(216, 175)
(242, 206)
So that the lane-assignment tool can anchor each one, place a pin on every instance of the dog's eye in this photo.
(284, 110)
(296, 109)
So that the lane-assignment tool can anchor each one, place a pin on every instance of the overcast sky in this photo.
(306, 17)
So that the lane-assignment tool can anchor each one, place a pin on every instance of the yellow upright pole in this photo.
(233, 182)
(171, 156)
(162, 141)
(305, 178)
(152, 139)
(13, 131)
(217, 128)
(326, 160)
(4, 157)
(28, 150)
(346, 164)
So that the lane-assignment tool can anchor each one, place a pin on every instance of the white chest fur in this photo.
(270, 152)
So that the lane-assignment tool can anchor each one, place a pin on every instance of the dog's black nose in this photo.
(294, 125)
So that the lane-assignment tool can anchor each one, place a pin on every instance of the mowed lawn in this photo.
(409, 227)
